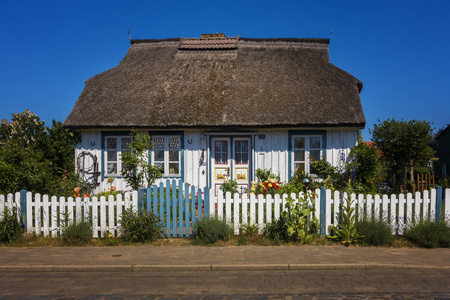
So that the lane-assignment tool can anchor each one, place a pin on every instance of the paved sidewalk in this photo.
(196, 258)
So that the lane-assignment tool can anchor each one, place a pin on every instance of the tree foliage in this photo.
(403, 144)
(136, 169)
(35, 157)
(364, 165)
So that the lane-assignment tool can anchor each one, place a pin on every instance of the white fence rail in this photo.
(44, 215)
(400, 211)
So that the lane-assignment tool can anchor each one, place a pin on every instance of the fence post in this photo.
(323, 203)
(23, 207)
(141, 198)
(206, 201)
(438, 203)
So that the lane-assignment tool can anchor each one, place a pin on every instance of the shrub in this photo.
(140, 226)
(297, 222)
(10, 228)
(229, 186)
(276, 230)
(346, 232)
(376, 233)
(77, 234)
(429, 235)
(211, 229)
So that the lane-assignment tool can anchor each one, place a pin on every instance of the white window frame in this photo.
(308, 149)
(166, 150)
(119, 151)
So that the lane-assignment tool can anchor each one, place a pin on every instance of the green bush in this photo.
(77, 234)
(10, 228)
(211, 229)
(376, 233)
(429, 235)
(140, 226)
(229, 186)
(276, 230)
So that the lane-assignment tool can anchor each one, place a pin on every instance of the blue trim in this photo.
(181, 134)
(323, 203)
(438, 204)
(323, 133)
(23, 207)
(102, 150)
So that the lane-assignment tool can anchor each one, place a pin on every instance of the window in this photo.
(221, 152)
(305, 149)
(167, 154)
(241, 152)
(114, 146)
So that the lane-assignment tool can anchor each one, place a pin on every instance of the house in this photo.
(219, 108)
(442, 148)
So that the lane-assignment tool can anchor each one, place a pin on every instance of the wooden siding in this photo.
(271, 152)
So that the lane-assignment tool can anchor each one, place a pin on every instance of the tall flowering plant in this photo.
(269, 186)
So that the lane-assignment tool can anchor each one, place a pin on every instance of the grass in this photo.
(33, 240)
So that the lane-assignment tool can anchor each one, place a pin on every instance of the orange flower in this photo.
(113, 188)
(76, 192)
(86, 195)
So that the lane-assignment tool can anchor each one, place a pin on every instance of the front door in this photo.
(230, 160)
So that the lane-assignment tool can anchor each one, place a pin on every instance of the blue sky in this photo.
(399, 49)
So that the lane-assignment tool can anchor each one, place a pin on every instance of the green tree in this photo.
(136, 169)
(403, 144)
(364, 163)
(35, 157)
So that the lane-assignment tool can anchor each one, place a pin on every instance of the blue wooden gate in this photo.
(178, 205)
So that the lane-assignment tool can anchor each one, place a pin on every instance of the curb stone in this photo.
(209, 268)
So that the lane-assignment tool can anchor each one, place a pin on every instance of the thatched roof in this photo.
(221, 83)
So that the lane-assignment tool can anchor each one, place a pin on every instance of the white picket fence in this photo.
(400, 211)
(44, 214)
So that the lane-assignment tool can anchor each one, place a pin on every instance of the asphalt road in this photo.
(311, 284)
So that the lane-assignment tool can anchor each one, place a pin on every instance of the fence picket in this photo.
(276, 207)
(119, 212)
(174, 202)
(252, 209)
(70, 211)
(393, 214)
(328, 211)
(111, 224)
(245, 209)
(37, 214)
(269, 202)
(417, 202)
(401, 214)
(260, 212)
(186, 209)
(78, 208)
(45, 215)
(236, 213)
(433, 205)
(2, 205)
(425, 207)
(360, 207)
(95, 217)
(193, 209)
(102, 216)
(179, 207)
(385, 209)
(376, 209)
(54, 216)
(336, 203)
(447, 206)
